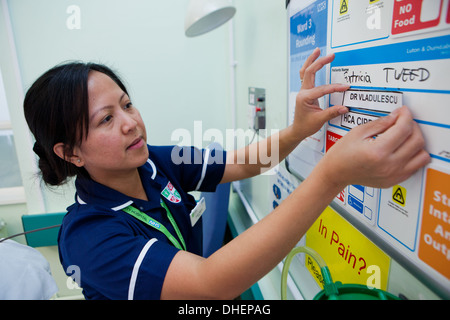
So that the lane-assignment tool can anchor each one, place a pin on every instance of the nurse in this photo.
(129, 232)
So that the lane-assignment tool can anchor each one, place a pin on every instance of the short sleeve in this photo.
(150, 270)
(114, 262)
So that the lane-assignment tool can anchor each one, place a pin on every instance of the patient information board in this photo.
(391, 53)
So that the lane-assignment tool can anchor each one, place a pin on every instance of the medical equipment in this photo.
(27, 232)
(332, 290)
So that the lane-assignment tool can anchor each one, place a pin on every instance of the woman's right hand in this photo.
(380, 154)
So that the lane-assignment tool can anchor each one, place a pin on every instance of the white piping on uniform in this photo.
(136, 267)
(126, 204)
(205, 165)
(80, 201)
(153, 168)
(150, 162)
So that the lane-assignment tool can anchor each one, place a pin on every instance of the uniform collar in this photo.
(93, 193)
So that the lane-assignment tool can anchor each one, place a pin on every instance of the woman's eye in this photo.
(106, 119)
(129, 105)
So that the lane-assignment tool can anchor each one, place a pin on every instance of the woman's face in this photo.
(117, 140)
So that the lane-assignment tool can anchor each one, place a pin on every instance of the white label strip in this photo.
(384, 101)
(352, 119)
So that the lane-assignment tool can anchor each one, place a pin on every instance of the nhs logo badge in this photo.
(171, 194)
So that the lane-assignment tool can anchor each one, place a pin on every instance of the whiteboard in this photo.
(391, 52)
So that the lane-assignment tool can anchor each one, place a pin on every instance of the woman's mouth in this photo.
(136, 144)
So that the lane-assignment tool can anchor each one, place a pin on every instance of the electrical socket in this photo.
(256, 116)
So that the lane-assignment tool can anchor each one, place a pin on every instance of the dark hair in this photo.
(56, 109)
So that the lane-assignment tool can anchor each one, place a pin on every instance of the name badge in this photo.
(197, 212)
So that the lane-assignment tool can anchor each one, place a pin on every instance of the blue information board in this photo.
(391, 53)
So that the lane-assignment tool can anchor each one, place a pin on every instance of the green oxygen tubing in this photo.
(329, 286)
(331, 290)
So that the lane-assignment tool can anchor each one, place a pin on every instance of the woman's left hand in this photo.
(309, 117)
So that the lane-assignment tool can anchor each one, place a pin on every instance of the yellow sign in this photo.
(399, 195)
(343, 8)
(350, 256)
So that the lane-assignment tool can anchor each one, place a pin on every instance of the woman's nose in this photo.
(129, 124)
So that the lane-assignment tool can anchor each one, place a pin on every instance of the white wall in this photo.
(261, 54)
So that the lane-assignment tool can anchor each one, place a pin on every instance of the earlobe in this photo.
(61, 151)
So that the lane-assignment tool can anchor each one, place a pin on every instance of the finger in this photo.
(409, 167)
(406, 169)
(374, 128)
(419, 160)
(320, 91)
(310, 72)
(410, 146)
(398, 133)
(312, 57)
(335, 111)
(331, 113)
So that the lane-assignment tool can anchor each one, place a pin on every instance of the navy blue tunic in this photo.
(120, 257)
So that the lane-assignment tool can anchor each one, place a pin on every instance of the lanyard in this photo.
(138, 214)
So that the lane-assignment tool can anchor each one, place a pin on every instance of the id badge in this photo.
(197, 212)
